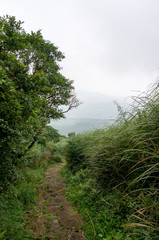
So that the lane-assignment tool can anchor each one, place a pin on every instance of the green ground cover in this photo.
(18, 199)
(112, 174)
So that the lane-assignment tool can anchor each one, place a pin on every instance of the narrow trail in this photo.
(54, 217)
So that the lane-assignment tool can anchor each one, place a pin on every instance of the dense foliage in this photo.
(18, 200)
(120, 162)
(32, 91)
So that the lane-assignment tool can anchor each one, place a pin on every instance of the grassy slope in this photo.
(112, 174)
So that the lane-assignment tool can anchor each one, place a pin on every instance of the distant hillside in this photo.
(96, 111)
(65, 126)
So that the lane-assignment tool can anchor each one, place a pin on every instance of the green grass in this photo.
(122, 160)
(103, 214)
(108, 215)
(20, 197)
(15, 201)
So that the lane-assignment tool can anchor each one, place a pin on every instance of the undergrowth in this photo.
(122, 162)
(102, 213)
(15, 202)
(19, 197)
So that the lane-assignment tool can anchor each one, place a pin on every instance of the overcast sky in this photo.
(111, 46)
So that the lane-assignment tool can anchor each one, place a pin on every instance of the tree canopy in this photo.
(32, 89)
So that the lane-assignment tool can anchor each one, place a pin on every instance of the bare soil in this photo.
(54, 217)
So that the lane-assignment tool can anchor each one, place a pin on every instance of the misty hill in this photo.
(68, 125)
(96, 111)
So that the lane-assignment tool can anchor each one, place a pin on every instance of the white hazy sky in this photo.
(111, 46)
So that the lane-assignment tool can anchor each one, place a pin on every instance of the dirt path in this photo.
(54, 217)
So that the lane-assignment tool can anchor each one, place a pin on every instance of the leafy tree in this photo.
(49, 134)
(32, 90)
(71, 134)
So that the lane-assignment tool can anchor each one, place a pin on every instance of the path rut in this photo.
(55, 218)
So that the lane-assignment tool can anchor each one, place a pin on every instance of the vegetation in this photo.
(112, 174)
(18, 200)
(32, 91)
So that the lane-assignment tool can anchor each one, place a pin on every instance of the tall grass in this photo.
(15, 202)
(126, 157)
(19, 197)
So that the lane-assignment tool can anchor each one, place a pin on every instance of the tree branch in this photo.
(73, 103)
